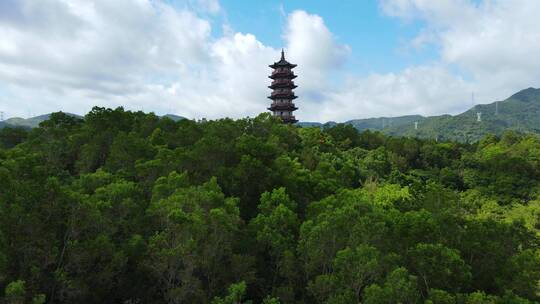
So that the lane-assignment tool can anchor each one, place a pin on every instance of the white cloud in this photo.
(417, 90)
(486, 48)
(312, 46)
(493, 42)
(211, 6)
(97, 51)
(146, 54)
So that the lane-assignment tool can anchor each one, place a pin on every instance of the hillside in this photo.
(381, 123)
(519, 112)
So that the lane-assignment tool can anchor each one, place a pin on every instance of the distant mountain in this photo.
(308, 124)
(173, 117)
(381, 123)
(377, 123)
(520, 112)
(34, 122)
(31, 122)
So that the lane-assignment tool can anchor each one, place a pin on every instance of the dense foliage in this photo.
(126, 207)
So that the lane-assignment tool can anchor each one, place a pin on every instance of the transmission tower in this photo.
(416, 125)
(1, 115)
(496, 108)
(479, 116)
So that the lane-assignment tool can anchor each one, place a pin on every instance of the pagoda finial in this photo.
(282, 54)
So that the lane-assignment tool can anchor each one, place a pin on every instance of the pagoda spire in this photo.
(282, 86)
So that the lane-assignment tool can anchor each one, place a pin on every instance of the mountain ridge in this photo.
(519, 112)
(34, 122)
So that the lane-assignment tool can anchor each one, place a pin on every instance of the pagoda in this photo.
(282, 90)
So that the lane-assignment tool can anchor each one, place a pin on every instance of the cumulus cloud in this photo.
(493, 42)
(71, 55)
(95, 50)
(147, 54)
(314, 48)
(486, 47)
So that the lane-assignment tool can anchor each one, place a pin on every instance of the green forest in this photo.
(128, 207)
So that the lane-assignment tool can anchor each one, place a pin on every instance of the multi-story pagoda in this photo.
(282, 90)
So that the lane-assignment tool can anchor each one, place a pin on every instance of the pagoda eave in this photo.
(277, 86)
(284, 75)
(282, 65)
(282, 97)
(285, 108)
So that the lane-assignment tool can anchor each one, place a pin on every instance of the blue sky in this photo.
(209, 58)
(378, 42)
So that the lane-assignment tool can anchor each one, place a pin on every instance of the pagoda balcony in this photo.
(284, 92)
(282, 74)
(280, 105)
(284, 114)
(277, 82)
(286, 72)
(283, 96)
(288, 119)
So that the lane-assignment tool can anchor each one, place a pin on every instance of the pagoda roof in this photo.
(282, 62)
(284, 75)
(284, 86)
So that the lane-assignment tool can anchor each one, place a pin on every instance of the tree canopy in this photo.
(128, 207)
